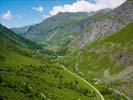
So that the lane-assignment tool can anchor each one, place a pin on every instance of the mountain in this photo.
(62, 28)
(105, 54)
(21, 30)
(96, 65)
(25, 75)
(80, 28)
(106, 63)
(110, 23)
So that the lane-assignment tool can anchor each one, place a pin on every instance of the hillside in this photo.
(12, 41)
(61, 29)
(108, 24)
(24, 77)
(106, 61)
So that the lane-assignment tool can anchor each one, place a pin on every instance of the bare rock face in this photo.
(126, 60)
(113, 22)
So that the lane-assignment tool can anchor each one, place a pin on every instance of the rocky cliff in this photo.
(112, 22)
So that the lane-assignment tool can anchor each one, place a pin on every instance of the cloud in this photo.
(45, 16)
(38, 9)
(86, 6)
(7, 16)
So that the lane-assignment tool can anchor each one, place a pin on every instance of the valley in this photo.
(70, 56)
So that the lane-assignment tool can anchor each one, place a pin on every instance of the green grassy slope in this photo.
(10, 40)
(25, 77)
(107, 61)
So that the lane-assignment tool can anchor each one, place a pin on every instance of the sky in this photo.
(18, 13)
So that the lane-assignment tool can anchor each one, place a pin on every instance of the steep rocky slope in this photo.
(112, 22)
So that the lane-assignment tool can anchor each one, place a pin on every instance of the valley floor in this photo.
(99, 94)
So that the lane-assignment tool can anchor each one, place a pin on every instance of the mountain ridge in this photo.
(62, 28)
(116, 20)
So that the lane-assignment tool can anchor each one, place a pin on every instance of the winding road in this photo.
(100, 95)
